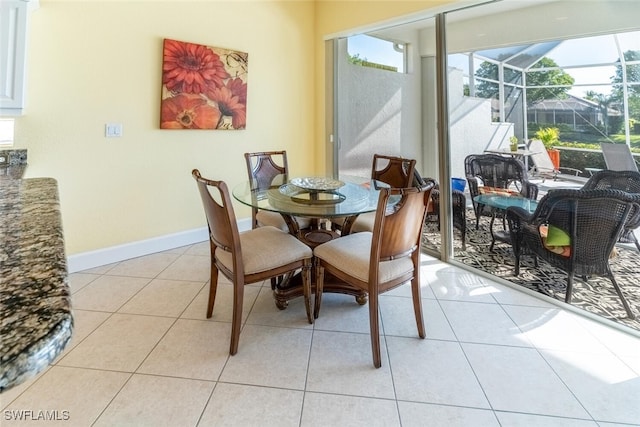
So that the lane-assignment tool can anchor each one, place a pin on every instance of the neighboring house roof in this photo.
(571, 103)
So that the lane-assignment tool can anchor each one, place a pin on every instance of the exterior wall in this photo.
(471, 129)
(380, 111)
(340, 18)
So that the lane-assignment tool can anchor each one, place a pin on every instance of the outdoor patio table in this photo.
(519, 154)
(499, 203)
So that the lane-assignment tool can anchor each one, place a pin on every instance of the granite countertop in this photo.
(13, 163)
(12, 171)
(36, 321)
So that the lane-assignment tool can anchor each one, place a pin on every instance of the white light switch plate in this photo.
(113, 130)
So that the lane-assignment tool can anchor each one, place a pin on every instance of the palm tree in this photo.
(604, 102)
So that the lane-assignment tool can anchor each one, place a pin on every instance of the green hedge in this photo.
(581, 160)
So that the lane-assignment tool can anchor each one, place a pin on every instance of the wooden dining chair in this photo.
(248, 257)
(267, 169)
(379, 261)
(397, 172)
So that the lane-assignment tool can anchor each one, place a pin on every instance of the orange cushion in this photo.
(564, 251)
(498, 190)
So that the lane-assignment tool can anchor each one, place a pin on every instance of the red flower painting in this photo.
(203, 87)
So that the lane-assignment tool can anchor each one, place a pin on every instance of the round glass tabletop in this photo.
(315, 197)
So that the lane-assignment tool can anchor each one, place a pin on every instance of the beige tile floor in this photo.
(143, 354)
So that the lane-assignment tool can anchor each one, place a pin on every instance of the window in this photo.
(589, 85)
(374, 52)
(6, 132)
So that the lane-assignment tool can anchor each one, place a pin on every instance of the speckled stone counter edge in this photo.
(14, 165)
(36, 321)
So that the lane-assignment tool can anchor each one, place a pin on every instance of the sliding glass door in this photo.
(476, 79)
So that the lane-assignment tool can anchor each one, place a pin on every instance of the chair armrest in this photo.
(529, 190)
(458, 198)
(472, 182)
(576, 172)
(517, 213)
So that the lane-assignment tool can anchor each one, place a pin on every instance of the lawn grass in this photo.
(584, 159)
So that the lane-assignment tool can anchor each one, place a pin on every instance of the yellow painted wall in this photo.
(96, 62)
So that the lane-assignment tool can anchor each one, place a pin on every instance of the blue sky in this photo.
(590, 50)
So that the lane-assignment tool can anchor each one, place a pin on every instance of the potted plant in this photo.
(549, 137)
(513, 143)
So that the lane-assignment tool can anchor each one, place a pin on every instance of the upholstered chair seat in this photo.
(265, 248)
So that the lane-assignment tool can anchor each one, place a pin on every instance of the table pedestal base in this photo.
(315, 237)
(291, 287)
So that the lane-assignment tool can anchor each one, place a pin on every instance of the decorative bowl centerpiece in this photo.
(312, 183)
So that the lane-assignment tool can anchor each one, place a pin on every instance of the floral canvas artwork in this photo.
(203, 87)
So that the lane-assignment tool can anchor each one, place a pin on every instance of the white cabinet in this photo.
(14, 16)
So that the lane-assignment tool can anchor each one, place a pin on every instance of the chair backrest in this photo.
(540, 158)
(397, 229)
(493, 170)
(398, 172)
(618, 157)
(628, 181)
(266, 169)
(221, 219)
(264, 166)
(593, 219)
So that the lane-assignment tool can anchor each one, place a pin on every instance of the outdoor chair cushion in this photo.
(558, 237)
(498, 190)
(555, 240)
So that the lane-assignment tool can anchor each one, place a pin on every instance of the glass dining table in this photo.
(320, 199)
(317, 198)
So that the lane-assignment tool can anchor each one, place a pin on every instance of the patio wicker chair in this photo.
(628, 181)
(575, 231)
(458, 206)
(492, 173)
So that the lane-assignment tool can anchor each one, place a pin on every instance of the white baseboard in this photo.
(97, 258)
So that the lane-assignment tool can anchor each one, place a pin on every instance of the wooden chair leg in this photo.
(374, 326)
(213, 287)
(319, 285)
(417, 306)
(236, 320)
(306, 287)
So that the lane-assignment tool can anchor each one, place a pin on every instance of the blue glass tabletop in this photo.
(503, 202)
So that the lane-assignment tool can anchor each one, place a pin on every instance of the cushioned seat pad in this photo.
(353, 252)
(265, 248)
